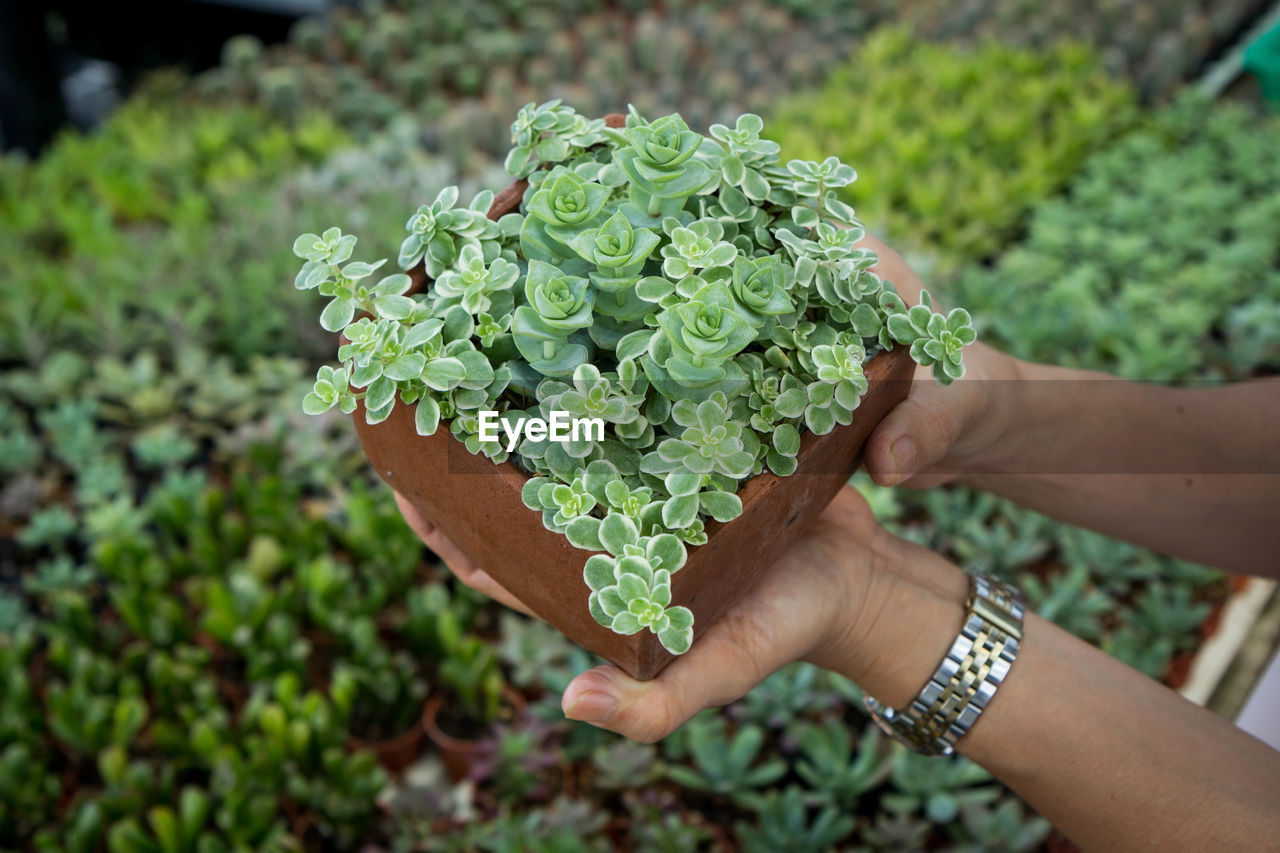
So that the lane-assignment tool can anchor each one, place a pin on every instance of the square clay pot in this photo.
(477, 505)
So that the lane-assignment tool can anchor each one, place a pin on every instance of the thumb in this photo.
(734, 655)
(916, 435)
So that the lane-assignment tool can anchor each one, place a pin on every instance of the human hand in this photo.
(836, 598)
(940, 433)
(457, 562)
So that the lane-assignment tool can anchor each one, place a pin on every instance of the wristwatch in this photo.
(966, 679)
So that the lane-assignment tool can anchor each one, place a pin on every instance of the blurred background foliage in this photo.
(953, 147)
(205, 596)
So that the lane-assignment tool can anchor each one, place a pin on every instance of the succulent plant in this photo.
(936, 789)
(1158, 45)
(726, 764)
(697, 352)
(1003, 826)
(834, 767)
(785, 822)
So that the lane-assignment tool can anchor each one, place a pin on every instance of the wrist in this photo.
(906, 611)
(997, 419)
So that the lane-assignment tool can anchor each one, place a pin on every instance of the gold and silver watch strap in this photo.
(968, 676)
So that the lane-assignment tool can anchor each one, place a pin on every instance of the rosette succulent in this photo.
(558, 211)
(703, 302)
(617, 250)
(700, 336)
(660, 166)
(558, 305)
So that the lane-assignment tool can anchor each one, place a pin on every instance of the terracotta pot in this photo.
(477, 505)
(396, 753)
(460, 754)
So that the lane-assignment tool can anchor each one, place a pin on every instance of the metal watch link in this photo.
(968, 676)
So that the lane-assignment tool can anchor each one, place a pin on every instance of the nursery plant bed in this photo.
(477, 505)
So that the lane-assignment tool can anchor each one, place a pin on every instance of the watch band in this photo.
(968, 676)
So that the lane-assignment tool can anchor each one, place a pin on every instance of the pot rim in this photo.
(443, 739)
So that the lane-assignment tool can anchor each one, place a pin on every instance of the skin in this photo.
(1113, 759)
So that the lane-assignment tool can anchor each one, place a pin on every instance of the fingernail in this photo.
(903, 452)
(595, 708)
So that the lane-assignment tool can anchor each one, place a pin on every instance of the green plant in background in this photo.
(891, 831)
(470, 671)
(144, 290)
(625, 764)
(937, 789)
(955, 145)
(1170, 611)
(154, 161)
(654, 828)
(169, 830)
(784, 821)
(129, 691)
(519, 762)
(1099, 283)
(727, 764)
(1157, 45)
(1137, 648)
(664, 320)
(1069, 600)
(379, 690)
(832, 766)
(797, 692)
(571, 825)
(465, 72)
(1003, 827)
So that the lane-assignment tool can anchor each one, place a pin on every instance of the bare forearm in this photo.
(1113, 759)
(1194, 473)
(1118, 761)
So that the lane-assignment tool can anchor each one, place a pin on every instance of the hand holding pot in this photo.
(827, 601)
(1187, 471)
(851, 597)
(940, 433)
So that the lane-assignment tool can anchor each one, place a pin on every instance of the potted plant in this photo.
(705, 313)
(380, 693)
(471, 698)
